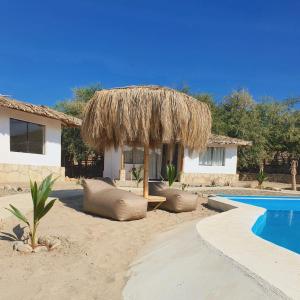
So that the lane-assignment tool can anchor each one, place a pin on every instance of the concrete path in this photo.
(179, 265)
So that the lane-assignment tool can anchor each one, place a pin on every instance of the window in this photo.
(134, 156)
(26, 137)
(213, 156)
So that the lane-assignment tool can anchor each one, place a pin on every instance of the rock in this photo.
(44, 240)
(40, 249)
(21, 247)
(7, 187)
(50, 241)
(17, 244)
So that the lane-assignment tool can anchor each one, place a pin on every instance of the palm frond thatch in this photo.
(39, 110)
(215, 139)
(145, 115)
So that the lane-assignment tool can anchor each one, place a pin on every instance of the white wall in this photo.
(191, 163)
(52, 156)
(112, 161)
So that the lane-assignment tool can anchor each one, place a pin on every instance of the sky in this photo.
(47, 48)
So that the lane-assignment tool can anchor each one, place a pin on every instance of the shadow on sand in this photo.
(17, 236)
(71, 198)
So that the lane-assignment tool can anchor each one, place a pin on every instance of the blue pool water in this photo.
(280, 224)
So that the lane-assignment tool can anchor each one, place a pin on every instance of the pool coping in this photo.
(230, 233)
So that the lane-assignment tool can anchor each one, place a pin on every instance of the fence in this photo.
(90, 168)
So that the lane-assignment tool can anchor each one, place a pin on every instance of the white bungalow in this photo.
(30, 140)
(218, 163)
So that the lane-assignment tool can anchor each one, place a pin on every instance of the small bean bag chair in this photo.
(102, 198)
(176, 200)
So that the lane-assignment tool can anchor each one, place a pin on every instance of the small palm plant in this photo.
(137, 175)
(261, 178)
(39, 196)
(171, 174)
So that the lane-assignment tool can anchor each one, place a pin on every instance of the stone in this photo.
(7, 187)
(44, 240)
(40, 249)
(17, 244)
(17, 172)
(21, 247)
(51, 242)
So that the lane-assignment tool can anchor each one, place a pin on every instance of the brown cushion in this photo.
(103, 199)
(176, 200)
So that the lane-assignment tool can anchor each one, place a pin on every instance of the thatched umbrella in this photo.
(145, 116)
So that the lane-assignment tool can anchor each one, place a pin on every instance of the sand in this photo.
(93, 260)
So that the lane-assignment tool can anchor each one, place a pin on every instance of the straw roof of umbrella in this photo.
(145, 115)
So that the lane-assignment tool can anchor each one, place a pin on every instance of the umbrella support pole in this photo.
(146, 172)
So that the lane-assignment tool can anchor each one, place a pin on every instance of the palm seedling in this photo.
(171, 174)
(39, 195)
(137, 175)
(261, 178)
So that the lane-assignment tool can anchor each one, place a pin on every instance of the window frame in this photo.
(27, 146)
(133, 156)
(212, 157)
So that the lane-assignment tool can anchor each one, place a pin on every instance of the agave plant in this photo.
(171, 174)
(39, 196)
(137, 175)
(261, 178)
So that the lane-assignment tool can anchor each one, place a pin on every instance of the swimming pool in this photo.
(280, 224)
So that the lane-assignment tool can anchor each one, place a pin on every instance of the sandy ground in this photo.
(93, 260)
(95, 254)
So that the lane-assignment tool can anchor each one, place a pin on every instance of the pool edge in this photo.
(230, 233)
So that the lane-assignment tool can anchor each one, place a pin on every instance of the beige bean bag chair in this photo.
(102, 198)
(177, 200)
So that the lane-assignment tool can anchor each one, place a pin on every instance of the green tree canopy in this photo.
(73, 147)
(273, 126)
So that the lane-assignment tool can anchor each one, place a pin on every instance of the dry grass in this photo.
(145, 115)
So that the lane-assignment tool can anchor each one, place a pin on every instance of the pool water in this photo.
(280, 224)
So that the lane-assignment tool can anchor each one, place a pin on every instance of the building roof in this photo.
(226, 140)
(39, 110)
(70, 121)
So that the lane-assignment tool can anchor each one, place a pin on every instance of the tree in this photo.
(73, 148)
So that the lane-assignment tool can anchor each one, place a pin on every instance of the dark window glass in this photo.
(134, 156)
(26, 137)
(18, 136)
